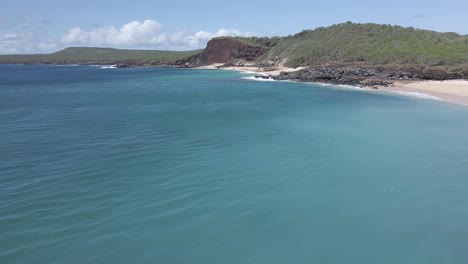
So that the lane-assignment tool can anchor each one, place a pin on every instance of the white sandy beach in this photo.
(270, 71)
(452, 91)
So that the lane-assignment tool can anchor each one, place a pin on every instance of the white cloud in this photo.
(134, 34)
(24, 42)
(148, 34)
(177, 38)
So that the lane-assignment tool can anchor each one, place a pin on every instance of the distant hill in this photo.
(84, 55)
(370, 44)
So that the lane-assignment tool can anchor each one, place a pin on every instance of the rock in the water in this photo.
(122, 65)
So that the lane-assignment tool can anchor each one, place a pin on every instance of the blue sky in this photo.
(49, 25)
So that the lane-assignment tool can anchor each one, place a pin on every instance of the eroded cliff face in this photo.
(226, 51)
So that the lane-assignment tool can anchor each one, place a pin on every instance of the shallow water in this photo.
(199, 166)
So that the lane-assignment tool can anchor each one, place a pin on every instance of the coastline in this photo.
(263, 71)
(270, 71)
(450, 91)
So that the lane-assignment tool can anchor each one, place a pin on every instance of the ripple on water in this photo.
(176, 166)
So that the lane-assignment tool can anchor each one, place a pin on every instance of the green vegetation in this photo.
(370, 44)
(258, 42)
(102, 56)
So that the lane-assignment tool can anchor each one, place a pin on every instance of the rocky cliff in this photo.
(228, 51)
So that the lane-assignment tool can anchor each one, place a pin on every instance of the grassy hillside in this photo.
(263, 42)
(101, 56)
(370, 44)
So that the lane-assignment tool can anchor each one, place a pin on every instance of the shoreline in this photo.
(263, 71)
(449, 91)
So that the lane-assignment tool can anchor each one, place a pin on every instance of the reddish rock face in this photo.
(224, 50)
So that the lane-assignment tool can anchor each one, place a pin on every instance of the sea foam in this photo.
(419, 95)
(254, 72)
(341, 86)
(109, 67)
(253, 78)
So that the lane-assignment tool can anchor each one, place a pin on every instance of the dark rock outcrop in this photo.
(363, 76)
(122, 65)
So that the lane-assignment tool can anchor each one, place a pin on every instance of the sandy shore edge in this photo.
(268, 71)
(451, 91)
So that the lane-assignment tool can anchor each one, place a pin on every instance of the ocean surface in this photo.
(205, 166)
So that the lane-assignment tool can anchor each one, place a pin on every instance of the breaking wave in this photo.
(109, 67)
(253, 78)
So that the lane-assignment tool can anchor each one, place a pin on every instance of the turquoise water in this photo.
(193, 166)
